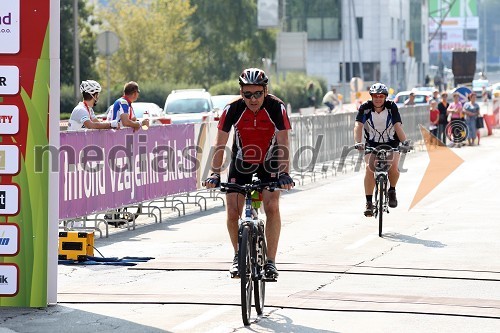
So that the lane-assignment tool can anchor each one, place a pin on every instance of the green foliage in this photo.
(67, 102)
(155, 41)
(228, 43)
(293, 89)
(229, 87)
(87, 42)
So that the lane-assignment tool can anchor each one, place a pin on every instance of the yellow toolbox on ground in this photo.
(75, 245)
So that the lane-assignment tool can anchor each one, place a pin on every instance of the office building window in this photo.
(371, 71)
(321, 19)
(392, 27)
(359, 25)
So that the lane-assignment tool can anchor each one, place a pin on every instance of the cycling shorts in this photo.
(241, 172)
(390, 144)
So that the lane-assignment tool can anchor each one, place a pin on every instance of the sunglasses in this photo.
(378, 95)
(257, 94)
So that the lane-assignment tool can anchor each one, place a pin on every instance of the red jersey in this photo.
(254, 133)
(434, 115)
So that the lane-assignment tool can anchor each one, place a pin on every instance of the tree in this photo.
(155, 40)
(229, 38)
(87, 42)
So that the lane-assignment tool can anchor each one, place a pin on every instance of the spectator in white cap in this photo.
(83, 116)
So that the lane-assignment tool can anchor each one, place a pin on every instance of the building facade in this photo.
(384, 41)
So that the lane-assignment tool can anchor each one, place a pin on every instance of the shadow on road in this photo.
(280, 323)
(60, 318)
(397, 237)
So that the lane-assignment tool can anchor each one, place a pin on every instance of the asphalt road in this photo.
(436, 268)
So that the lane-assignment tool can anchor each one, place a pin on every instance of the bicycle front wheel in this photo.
(245, 268)
(260, 284)
(381, 192)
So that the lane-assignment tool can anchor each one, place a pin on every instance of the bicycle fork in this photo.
(381, 185)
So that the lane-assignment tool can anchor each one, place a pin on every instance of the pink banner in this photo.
(107, 169)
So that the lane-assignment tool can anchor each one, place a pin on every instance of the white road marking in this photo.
(189, 324)
(361, 242)
(368, 238)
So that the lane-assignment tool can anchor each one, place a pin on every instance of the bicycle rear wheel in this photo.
(245, 268)
(381, 192)
(259, 283)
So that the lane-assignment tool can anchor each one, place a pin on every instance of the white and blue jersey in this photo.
(121, 106)
(379, 127)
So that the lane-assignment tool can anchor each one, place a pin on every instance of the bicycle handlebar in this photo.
(401, 148)
(372, 149)
(247, 188)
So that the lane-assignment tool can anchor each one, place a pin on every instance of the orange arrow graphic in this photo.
(442, 162)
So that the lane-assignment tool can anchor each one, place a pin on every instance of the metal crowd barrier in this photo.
(323, 142)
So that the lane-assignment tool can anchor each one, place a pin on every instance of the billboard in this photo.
(29, 86)
(459, 26)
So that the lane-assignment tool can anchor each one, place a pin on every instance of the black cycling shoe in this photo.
(393, 201)
(369, 209)
(233, 270)
(270, 271)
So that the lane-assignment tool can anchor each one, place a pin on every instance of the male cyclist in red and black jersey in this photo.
(381, 122)
(261, 125)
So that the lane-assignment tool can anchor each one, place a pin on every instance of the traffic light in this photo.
(410, 45)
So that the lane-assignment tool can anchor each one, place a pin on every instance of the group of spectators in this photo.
(119, 116)
(454, 120)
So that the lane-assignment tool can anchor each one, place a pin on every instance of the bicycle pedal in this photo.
(234, 275)
(269, 279)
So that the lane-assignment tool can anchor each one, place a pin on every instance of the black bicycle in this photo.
(381, 181)
(252, 250)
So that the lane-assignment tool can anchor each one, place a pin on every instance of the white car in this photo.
(152, 111)
(143, 110)
(188, 106)
(220, 101)
(421, 97)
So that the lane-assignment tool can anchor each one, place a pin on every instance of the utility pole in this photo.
(344, 93)
(76, 51)
(485, 59)
(401, 50)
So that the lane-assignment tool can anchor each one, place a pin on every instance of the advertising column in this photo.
(28, 86)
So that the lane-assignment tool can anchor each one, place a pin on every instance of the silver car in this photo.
(188, 106)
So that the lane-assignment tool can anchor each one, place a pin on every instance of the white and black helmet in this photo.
(379, 88)
(253, 76)
(90, 87)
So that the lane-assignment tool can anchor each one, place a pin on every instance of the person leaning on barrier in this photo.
(380, 121)
(260, 146)
(122, 110)
(83, 115)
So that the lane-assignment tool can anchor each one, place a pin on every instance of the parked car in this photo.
(152, 111)
(421, 97)
(495, 90)
(220, 101)
(189, 106)
(477, 87)
(144, 110)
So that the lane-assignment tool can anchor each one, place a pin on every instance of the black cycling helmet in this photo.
(253, 76)
(379, 88)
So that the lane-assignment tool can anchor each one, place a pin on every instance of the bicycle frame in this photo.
(381, 175)
(252, 249)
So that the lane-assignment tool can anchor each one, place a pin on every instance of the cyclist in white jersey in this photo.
(380, 121)
(83, 116)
